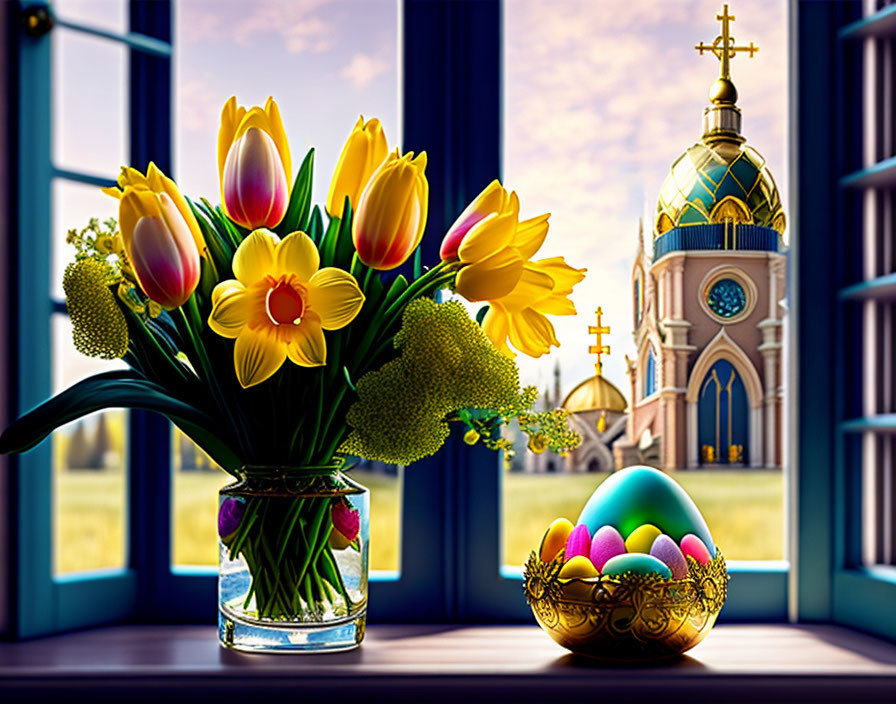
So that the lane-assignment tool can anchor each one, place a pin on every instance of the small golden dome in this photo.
(595, 394)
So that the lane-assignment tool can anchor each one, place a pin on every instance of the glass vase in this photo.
(293, 561)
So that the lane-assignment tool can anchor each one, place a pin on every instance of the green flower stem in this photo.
(285, 543)
(309, 452)
(194, 326)
(431, 281)
(175, 366)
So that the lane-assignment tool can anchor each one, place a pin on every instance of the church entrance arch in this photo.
(723, 416)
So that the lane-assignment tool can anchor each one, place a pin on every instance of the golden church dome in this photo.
(720, 179)
(717, 180)
(595, 394)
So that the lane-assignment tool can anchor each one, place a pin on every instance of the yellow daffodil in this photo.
(161, 237)
(496, 251)
(391, 214)
(280, 304)
(362, 154)
(253, 164)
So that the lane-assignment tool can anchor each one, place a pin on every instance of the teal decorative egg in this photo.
(636, 562)
(637, 495)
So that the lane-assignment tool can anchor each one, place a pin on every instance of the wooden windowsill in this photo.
(435, 663)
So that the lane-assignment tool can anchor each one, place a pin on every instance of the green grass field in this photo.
(743, 508)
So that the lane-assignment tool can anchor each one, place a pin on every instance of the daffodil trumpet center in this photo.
(285, 301)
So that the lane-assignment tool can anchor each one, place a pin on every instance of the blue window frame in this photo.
(451, 549)
(849, 202)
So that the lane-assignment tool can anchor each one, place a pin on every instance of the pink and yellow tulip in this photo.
(280, 304)
(391, 215)
(253, 164)
(362, 154)
(161, 237)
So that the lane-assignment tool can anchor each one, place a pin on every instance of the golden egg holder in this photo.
(626, 617)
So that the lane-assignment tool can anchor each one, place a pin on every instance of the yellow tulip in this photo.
(254, 167)
(161, 237)
(391, 215)
(280, 304)
(362, 154)
(495, 250)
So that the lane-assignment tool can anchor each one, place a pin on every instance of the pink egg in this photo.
(693, 546)
(579, 542)
(666, 551)
(607, 543)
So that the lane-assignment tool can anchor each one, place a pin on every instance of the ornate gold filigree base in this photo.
(626, 617)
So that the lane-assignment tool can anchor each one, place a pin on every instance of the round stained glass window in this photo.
(726, 298)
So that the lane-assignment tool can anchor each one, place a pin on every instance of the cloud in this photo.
(301, 25)
(363, 69)
(198, 106)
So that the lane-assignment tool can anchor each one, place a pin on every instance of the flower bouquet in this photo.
(281, 340)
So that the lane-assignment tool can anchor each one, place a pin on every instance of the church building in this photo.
(707, 301)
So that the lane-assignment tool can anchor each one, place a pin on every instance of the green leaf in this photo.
(418, 263)
(345, 246)
(296, 217)
(315, 225)
(348, 379)
(481, 313)
(118, 389)
(399, 285)
(327, 245)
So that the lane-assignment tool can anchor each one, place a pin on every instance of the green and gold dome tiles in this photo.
(716, 182)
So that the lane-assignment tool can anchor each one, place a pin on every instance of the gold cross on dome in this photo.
(599, 331)
(724, 45)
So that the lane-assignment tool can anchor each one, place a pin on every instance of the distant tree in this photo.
(78, 455)
(101, 444)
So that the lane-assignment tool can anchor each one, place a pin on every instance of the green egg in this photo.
(638, 563)
(637, 495)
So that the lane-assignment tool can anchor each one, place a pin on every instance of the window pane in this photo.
(384, 482)
(74, 204)
(89, 103)
(703, 394)
(325, 64)
(107, 14)
(197, 479)
(89, 470)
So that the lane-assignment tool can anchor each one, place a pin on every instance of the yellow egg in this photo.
(555, 538)
(579, 566)
(641, 538)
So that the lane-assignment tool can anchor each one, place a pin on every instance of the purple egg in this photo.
(666, 551)
(230, 515)
(607, 543)
(579, 542)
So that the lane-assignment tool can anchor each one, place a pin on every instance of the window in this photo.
(602, 123)
(458, 507)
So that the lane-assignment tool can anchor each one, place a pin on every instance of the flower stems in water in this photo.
(285, 543)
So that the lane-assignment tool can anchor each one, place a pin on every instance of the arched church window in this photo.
(650, 373)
